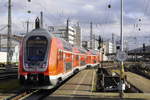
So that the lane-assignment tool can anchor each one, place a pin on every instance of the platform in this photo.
(79, 88)
(138, 81)
(80, 84)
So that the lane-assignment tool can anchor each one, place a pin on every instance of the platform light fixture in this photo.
(29, 0)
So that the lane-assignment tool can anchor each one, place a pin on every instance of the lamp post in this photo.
(121, 41)
(121, 49)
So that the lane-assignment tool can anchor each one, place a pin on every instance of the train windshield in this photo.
(36, 48)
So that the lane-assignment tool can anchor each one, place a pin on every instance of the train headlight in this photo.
(26, 66)
(44, 65)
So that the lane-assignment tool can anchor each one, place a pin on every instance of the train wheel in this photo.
(75, 71)
(59, 81)
(89, 66)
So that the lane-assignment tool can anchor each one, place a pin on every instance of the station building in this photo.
(14, 49)
(73, 36)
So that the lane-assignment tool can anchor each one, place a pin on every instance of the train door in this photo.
(79, 56)
(87, 58)
(95, 60)
(82, 60)
(77, 60)
(74, 61)
(68, 62)
(60, 61)
(92, 59)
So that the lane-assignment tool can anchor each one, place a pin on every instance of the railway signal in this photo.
(139, 29)
(29, 0)
(99, 42)
(29, 11)
(109, 6)
(144, 48)
(118, 47)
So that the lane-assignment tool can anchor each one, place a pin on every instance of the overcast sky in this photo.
(105, 20)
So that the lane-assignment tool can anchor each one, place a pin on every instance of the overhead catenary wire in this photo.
(146, 6)
(145, 10)
(140, 19)
(58, 20)
(106, 19)
(3, 28)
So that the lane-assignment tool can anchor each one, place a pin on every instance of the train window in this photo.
(82, 50)
(82, 62)
(36, 47)
(60, 55)
(77, 57)
(87, 57)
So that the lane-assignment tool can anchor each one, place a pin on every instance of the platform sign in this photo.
(121, 56)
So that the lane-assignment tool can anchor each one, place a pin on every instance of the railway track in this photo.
(141, 73)
(22, 95)
(39, 95)
(138, 71)
(32, 94)
(7, 75)
(134, 69)
(36, 94)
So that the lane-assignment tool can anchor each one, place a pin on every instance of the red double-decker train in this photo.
(46, 61)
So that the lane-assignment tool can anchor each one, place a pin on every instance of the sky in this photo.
(105, 20)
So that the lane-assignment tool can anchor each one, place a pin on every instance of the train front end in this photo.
(34, 55)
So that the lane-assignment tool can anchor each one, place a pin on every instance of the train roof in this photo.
(76, 50)
(39, 31)
(66, 45)
(93, 51)
(82, 50)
